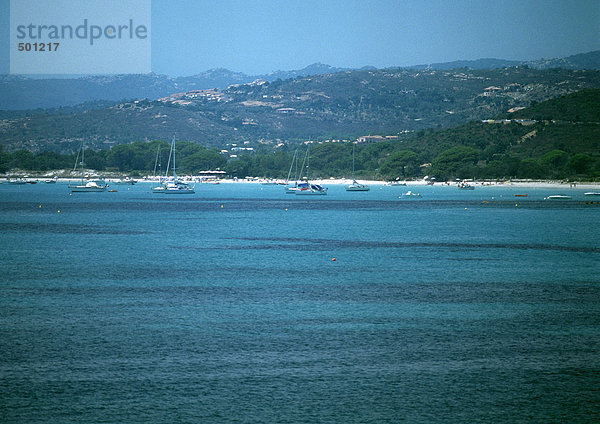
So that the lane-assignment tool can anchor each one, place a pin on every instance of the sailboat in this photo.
(306, 188)
(356, 186)
(157, 163)
(292, 189)
(174, 186)
(86, 186)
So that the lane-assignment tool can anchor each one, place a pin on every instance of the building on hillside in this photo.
(370, 139)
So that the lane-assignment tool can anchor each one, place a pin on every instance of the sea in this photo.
(243, 304)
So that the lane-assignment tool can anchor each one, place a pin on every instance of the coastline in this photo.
(345, 181)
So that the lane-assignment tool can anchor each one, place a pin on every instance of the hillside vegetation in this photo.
(342, 105)
(558, 138)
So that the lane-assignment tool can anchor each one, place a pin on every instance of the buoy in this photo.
(221, 205)
(58, 212)
(285, 209)
(332, 259)
(40, 206)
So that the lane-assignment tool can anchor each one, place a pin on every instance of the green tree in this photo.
(22, 159)
(202, 160)
(457, 161)
(4, 160)
(530, 168)
(401, 163)
(580, 163)
(554, 163)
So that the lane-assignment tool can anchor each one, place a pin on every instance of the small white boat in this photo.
(557, 197)
(396, 183)
(17, 181)
(409, 193)
(51, 180)
(89, 186)
(356, 186)
(125, 181)
(592, 194)
(465, 186)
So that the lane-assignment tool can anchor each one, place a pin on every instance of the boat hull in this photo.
(311, 192)
(84, 189)
(178, 191)
(557, 197)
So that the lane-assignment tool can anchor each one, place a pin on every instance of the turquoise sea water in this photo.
(226, 306)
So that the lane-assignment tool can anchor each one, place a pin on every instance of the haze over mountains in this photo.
(20, 93)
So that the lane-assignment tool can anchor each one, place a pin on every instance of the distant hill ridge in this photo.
(20, 93)
(284, 112)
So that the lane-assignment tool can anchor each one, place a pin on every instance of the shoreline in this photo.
(549, 184)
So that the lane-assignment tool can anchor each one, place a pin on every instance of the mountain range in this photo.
(21, 93)
(340, 105)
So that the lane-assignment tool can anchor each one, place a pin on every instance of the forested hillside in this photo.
(342, 105)
(559, 138)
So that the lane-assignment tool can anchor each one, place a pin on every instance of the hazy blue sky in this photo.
(260, 36)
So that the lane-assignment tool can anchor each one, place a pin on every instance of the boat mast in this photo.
(294, 159)
(82, 156)
(157, 162)
(307, 161)
(174, 172)
(353, 162)
(168, 163)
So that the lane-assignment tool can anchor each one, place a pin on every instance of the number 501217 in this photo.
(38, 47)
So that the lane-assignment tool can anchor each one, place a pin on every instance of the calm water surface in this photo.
(227, 307)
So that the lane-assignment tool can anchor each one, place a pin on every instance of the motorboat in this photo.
(463, 185)
(125, 181)
(396, 183)
(557, 197)
(409, 194)
(592, 194)
(17, 181)
(356, 186)
(89, 186)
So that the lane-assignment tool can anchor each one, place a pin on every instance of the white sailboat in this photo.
(289, 188)
(157, 163)
(356, 186)
(174, 186)
(86, 186)
(306, 188)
